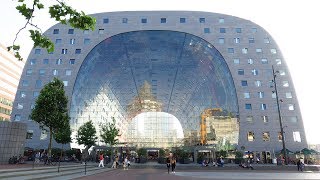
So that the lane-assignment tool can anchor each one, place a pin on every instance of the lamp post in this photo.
(280, 119)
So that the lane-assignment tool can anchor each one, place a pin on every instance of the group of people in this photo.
(126, 162)
(300, 165)
(171, 162)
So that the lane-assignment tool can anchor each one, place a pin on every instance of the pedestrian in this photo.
(37, 157)
(125, 164)
(298, 164)
(101, 158)
(173, 165)
(168, 164)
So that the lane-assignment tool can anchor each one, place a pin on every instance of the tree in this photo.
(87, 136)
(50, 109)
(109, 133)
(60, 12)
(63, 137)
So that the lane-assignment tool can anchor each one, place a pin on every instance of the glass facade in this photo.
(166, 77)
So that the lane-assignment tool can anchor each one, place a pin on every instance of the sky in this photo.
(294, 25)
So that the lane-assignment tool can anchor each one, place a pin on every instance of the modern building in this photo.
(155, 72)
(10, 72)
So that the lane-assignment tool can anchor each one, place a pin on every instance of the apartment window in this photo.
(64, 51)
(246, 95)
(236, 61)
(221, 20)
(271, 84)
(273, 95)
(37, 51)
(258, 83)
(70, 31)
(163, 20)
(253, 30)
(58, 41)
(55, 72)
(221, 40)
(144, 20)
(248, 106)
(86, 31)
(59, 61)
(35, 94)
(251, 40)
(264, 61)
(236, 40)
(68, 72)
(72, 41)
(65, 83)
(25, 83)
(288, 95)
(182, 20)
(230, 50)
(222, 30)
(86, 41)
(266, 40)
(23, 94)
(17, 117)
(202, 20)
(285, 83)
(244, 83)
(266, 136)
(254, 72)
(100, 31)
(42, 72)
(72, 61)
(261, 95)
(296, 136)
(279, 136)
(250, 61)
(44, 134)
(56, 31)
(278, 61)
(105, 21)
(240, 72)
(125, 20)
(245, 51)
(78, 51)
(282, 72)
(290, 107)
(265, 119)
(273, 51)
(258, 50)
(38, 83)
(249, 119)
(45, 61)
(29, 72)
(29, 134)
(19, 106)
(238, 30)
(206, 30)
(263, 106)
(250, 136)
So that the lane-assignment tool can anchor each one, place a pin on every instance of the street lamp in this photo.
(280, 119)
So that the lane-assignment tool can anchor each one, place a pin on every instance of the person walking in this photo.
(125, 164)
(168, 164)
(173, 165)
(101, 158)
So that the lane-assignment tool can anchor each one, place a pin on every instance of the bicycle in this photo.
(50, 161)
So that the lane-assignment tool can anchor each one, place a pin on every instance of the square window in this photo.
(86, 31)
(290, 107)
(163, 20)
(35, 94)
(72, 61)
(68, 72)
(246, 95)
(266, 136)
(105, 21)
(45, 61)
(282, 72)
(254, 72)
(72, 41)
(238, 30)
(144, 20)
(248, 106)
(86, 41)
(78, 51)
(261, 95)
(221, 20)
(296, 136)
(292, 119)
(264, 61)
(265, 119)
(37, 51)
(240, 72)
(222, 30)
(273, 51)
(125, 20)
(19, 106)
(58, 41)
(279, 136)
(236, 40)
(59, 61)
(263, 106)
(258, 83)
(25, 83)
(56, 31)
(258, 50)
(236, 61)
(65, 83)
(42, 72)
(251, 40)
(206, 30)
(29, 72)
(55, 72)
(249, 119)
(273, 95)
(70, 31)
(250, 136)
(253, 30)
(230, 50)
(288, 95)
(266, 40)
(182, 20)
(17, 117)
(245, 51)
(285, 83)
(250, 61)
(23, 94)
(64, 51)
(29, 134)
(38, 83)
(244, 83)
(278, 61)
(202, 20)
(221, 40)
(101, 31)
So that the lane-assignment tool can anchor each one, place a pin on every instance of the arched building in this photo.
(157, 71)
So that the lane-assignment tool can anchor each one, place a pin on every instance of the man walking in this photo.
(101, 158)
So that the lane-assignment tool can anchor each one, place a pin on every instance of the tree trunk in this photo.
(50, 143)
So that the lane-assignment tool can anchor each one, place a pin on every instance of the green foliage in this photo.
(60, 12)
(238, 154)
(64, 135)
(142, 152)
(222, 153)
(70, 152)
(162, 153)
(109, 132)
(50, 109)
(87, 134)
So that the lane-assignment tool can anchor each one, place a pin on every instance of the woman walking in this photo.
(173, 165)
(168, 164)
